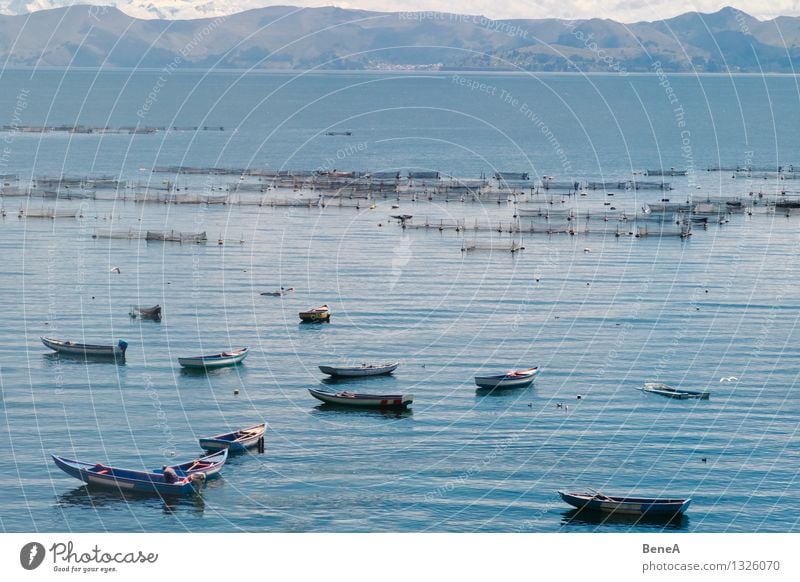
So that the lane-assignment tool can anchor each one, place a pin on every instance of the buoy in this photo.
(579, 397)
(236, 392)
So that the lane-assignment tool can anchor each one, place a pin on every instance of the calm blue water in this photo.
(599, 314)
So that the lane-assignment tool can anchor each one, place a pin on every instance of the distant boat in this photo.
(512, 379)
(236, 441)
(680, 394)
(383, 401)
(90, 350)
(280, 293)
(153, 313)
(220, 360)
(188, 481)
(315, 314)
(360, 370)
(649, 506)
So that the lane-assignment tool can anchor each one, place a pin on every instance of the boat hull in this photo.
(664, 390)
(523, 378)
(359, 371)
(128, 481)
(233, 443)
(85, 350)
(381, 401)
(313, 317)
(626, 505)
(220, 360)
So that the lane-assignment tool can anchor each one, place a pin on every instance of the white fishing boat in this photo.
(360, 370)
(512, 379)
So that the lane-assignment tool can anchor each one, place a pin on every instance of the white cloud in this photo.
(622, 10)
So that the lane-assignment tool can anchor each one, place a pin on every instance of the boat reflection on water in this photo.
(327, 408)
(622, 521)
(97, 498)
(504, 392)
(331, 380)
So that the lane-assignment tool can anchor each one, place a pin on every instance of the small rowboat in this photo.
(237, 441)
(361, 370)
(512, 379)
(210, 466)
(321, 313)
(153, 313)
(220, 360)
(649, 506)
(680, 394)
(383, 401)
(75, 349)
(188, 481)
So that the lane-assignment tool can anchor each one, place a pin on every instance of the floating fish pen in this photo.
(670, 172)
(15, 191)
(283, 202)
(176, 236)
(682, 230)
(638, 185)
(571, 186)
(65, 194)
(129, 234)
(57, 182)
(457, 225)
(607, 185)
(51, 213)
(544, 212)
(492, 246)
(248, 187)
(384, 176)
(667, 207)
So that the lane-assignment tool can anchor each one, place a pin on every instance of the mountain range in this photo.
(285, 37)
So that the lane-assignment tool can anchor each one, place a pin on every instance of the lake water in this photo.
(599, 314)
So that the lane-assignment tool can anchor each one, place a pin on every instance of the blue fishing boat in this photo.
(230, 358)
(237, 441)
(650, 506)
(161, 482)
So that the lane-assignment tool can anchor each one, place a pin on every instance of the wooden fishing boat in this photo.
(316, 314)
(146, 312)
(75, 349)
(209, 465)
(236, 441)
(360, 370)
(594, 501)
(512, 379)
(680, 394)
(212, 361)
(96, 474)
(383, 401)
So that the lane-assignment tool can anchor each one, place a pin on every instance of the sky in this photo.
(620, 10)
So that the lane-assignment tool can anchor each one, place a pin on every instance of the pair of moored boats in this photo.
(362, 400)
(219, 360)
(183, 479)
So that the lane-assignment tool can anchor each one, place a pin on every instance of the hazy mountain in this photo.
(283, 37)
